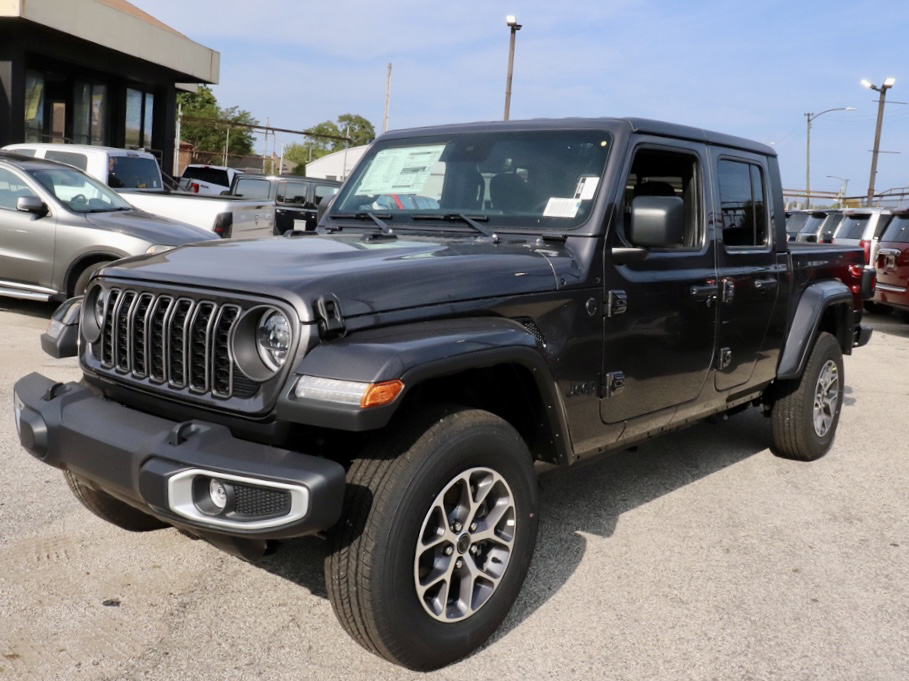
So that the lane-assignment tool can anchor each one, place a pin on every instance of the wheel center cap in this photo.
(463, 543)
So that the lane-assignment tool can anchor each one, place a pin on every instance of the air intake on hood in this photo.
(331, 321)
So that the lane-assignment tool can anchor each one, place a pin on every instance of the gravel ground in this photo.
(697, 556)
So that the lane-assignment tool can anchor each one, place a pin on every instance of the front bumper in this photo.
(163, 467)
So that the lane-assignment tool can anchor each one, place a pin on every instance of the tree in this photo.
(325, 138)
(357, 128)
(212, 138)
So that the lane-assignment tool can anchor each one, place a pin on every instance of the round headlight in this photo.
(98, 306)
(273, 339)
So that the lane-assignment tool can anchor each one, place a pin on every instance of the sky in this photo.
(752, 69)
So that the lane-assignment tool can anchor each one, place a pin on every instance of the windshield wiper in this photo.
(364, 215)
(470, 220)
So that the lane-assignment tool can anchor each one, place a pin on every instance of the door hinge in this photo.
(723, 358)
(613, 383)
(328, 313)
(616, 303)
(728, 290)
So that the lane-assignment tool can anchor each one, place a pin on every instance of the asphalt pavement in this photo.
(697, 556)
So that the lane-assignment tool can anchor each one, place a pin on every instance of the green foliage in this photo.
(360, 130)
(212, 137)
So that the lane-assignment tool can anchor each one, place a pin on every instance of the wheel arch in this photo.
(78, 265)
(823, 306)
(489, 363)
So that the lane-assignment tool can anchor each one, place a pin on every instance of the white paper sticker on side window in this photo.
(400, 171)
(561, 208)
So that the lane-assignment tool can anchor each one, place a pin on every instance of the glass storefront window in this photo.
(147, 123)
(34, 106)
(134, 118)
(82, 112)
(99, 114)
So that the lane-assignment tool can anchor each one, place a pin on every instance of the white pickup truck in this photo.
(137, 176)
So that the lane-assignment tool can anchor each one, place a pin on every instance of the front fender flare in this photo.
(415, 353)
(806, 325)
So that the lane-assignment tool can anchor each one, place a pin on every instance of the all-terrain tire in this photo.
(110, 509)
(438, 530)
(806, 413)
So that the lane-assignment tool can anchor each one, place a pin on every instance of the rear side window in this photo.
(323, 190)
(742, 203)
(898, 230)
(74, 159)
(292, 192)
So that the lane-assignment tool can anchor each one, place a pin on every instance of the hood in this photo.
(152, 228)
(367, 276)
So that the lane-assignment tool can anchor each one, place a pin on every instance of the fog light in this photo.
(218, 493)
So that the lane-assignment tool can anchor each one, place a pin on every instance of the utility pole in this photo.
(511, 21)
(811, 117)
(877, 133)
(387, 98)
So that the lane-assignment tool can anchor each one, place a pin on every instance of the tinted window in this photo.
(72, 158)
(252, 188)
(210, 175)
(134, 172)
(292, 192)
(742, 203)
(813, 223)
(323, 190)
(853, 227)
(897, 230)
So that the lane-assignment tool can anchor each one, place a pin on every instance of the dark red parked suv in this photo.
(892, 265)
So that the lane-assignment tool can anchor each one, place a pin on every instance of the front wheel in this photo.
(805, 416)
(436, 538)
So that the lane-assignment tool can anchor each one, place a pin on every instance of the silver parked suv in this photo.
(863, 227)
(58, 225)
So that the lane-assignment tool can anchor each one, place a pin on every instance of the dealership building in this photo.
(95, 72)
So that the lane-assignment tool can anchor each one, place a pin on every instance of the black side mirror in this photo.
(324, 205)
(31, 204)
(657, 221)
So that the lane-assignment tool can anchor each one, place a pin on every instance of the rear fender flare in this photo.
(815, 301)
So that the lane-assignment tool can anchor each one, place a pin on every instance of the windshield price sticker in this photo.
(561, 208)
(587, 187)
(400, 171)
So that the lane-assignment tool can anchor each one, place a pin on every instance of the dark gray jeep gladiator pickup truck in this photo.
(541, 291)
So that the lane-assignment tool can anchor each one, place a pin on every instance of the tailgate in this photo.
(253, 219)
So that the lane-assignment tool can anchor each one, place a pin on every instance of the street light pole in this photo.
(843, 190)
(511, 21)
(877, 133)
(811, 117)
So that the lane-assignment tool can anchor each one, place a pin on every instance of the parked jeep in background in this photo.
(136, 175)
(296, 199)
(58, 225)
(863, 227)
(567, 289)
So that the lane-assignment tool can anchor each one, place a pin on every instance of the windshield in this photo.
(536, 179)
(77, 191)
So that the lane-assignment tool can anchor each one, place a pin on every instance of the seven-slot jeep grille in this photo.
(172, 340)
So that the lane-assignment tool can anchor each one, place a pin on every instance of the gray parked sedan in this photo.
(58, 225)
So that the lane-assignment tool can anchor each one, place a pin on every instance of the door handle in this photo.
(704, 292)
(765, 284)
